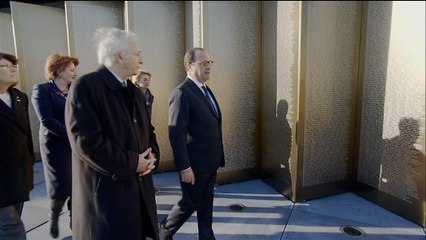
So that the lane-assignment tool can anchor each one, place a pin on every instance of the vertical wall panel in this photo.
(7, 44)
(332, 55)
(161, 29)
(83, 18)
(392, 118)
(379, 18)
(279, 102)
(193, 23)
(6, 37)
(232, 35)
(39, 32)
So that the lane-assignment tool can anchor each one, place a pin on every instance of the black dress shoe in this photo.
(54, 229)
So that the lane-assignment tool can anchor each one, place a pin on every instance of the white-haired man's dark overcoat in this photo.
(108, 128)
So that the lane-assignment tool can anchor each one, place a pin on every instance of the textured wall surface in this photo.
(279, 102)
(332, 38)
(374, 84)
(6, 37)
(194, 24)
(232, 35)
(392, 134)
(7, 44)
(83, 18)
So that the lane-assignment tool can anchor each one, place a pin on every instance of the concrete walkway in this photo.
(265, 215)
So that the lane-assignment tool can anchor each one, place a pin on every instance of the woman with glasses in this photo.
(48, 99)
(16, 151)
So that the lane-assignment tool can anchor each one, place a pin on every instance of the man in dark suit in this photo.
(195, 132)
(16, 151)
(114, 147)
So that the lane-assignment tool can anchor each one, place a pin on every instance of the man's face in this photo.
(201, 66)
(132, 59)
(7, 73)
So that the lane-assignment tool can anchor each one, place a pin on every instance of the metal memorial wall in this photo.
(232, 34)
(280, 93)
(391, 161)
(83, 18)
(347, 80)
(331, 57)
(328, 92)
(309, 87)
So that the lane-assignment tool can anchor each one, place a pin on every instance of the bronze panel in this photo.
(280, 94)
(231, 32)
(391, 160)
(332, 56)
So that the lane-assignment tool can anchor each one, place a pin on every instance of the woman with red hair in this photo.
(48, 99)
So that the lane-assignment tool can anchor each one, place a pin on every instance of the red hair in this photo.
(56, 63)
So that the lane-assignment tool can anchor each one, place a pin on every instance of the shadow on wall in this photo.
(281, 145)
(403, 165)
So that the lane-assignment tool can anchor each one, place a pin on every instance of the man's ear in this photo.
(119, 57)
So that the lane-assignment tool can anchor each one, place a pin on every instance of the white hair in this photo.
(111, 41)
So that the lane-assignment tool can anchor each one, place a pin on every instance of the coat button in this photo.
(115, 178)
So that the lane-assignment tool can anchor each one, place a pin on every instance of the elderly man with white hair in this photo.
(114, 147)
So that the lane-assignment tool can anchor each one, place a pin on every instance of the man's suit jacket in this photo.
(55, 150)
(16, 150)
(110, 200)
(195, 130)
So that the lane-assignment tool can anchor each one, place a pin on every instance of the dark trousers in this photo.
(197, 197)
(11, 225)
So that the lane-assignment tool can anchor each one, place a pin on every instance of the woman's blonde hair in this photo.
(136, 77)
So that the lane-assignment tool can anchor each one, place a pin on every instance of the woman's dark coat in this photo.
(55, 150)
(16, 150)
(110, 200)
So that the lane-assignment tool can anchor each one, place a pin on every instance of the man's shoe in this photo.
(55, 211)
(54, 229)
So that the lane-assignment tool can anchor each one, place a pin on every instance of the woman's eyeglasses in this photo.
(14, 66)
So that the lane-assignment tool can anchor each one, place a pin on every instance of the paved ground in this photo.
(267, 214)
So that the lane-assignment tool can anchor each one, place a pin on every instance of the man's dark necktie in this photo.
(206, 93)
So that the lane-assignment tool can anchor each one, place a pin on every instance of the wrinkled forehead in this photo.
(201, 55)
(134, 46)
